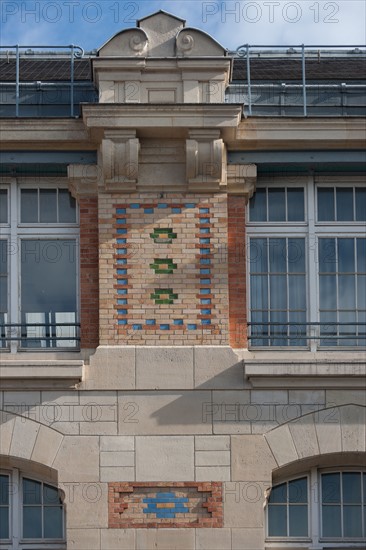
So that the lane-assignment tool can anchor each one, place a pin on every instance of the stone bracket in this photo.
(241, 179)
(83, 180)
(205, 160)
(120, 156)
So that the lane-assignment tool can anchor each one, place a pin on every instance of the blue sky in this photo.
(91, 23)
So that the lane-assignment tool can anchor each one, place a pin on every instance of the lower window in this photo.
(31, 513)
(327, 508)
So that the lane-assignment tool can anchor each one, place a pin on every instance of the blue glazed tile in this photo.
(134, 205)
(206, 321)
(205, 271)
(164, 327)
(192, 327)
(122, 261)
(205, 241)
(121, 250)
(204, 251)
(121, 221)
(204, 230)
(205, 301)
(205, 281)
(122, 281)
(176, 210)
(178, 321)
(121, 271)
(148, 210)
(121, 241)
(205, 291)
(190, 205)
(204, 220)
(205, 260)
(121, 211)
(150, 322)
(137, 327)
(121, 231)
(162, 205)
(122, 301)
(162, 515)
(206, 311)
(122, 291)
(122, 311)
(165, 495)
(204, 210)
(122, 321)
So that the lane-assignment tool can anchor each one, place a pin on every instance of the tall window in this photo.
(31, 513)
(38, 267)
(307, 265)
(326, 507)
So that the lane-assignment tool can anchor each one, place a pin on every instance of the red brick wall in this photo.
(237, 267)
(202, 502)
(89, 273)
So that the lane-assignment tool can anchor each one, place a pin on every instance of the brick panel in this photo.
(89, 273)
(236, 269)
(165, 504)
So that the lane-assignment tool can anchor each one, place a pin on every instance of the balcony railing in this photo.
(313, 335)
(43, 336)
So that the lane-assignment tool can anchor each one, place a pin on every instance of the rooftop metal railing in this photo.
(16, 50)
(301, 52)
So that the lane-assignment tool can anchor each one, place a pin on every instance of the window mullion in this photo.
(13, 266)
(312, 263)
(315, 505)
(16, 510)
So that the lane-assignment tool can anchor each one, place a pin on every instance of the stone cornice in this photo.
(299, 133)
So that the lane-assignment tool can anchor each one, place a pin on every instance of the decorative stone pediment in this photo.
(161, 61)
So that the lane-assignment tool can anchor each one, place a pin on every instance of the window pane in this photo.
(3, 277)
(259, 292)
(298, 521)
(50, 495)
(298, 490)
(32, 522)
(66, 207)
(277, 521)
(277, 255)
(360, 204)
(258, 256)
(325, 204)
(351, 485)
(361, 255)
(257, 206)
(48, 205)
(327, 256)
(4, 522)
(276, 205)
(352, 522)
(328, 292)
(344, 197)
(297, 292)
(278, 294)
(29, 206)
(346, 291)
(296, 255)
(31, 492)
(331, 521)
(346, 256)
(295, 205)
(4, 490)
(3, 206)
(53, 522)
(279, 494)
(331, 491)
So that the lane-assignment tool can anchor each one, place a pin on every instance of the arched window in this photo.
(324, 507)
(31, 513)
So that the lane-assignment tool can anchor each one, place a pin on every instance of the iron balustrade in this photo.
(46, 338)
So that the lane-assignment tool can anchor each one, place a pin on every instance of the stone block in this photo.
(353, 426)
(111, 368)
(124, 458)
(217, 367)
(213, 539)
(117, 539)
(83, 539)
(145, 413)
(24, 437)
(307, 397)
(164, 368)
(212, 458)
(304, 436)
(98, 428)
(117, 474)
(328, 429)
(212, 473)
(232, 412)
(86, 504)
(7, 421)
(345, 397)
(273, 397)
(243, 504)
(281, 444)
(165, 458)
(251, 458)
(212, 443)
(165, 539)
(247, 539)
(46, 446)
(117, 443)
(78, 459)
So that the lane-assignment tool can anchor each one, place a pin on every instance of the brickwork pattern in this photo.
(165, 504)
(89, 273)
(169, 260)
(238, 336)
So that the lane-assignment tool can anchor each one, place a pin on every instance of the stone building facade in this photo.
(183, 304)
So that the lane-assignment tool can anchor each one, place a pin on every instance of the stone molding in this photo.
(83, 180)
(120, 157)
(241, 179)
(205, 160)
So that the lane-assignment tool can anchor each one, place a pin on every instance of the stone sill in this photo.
(29, 374)
(312, 374)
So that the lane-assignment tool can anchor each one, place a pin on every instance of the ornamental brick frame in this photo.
(128, 496)
(89, 272)
(238, 328)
